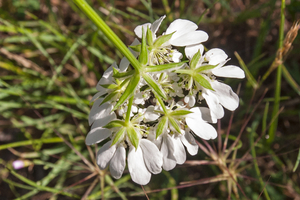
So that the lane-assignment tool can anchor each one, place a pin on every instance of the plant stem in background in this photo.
(96, 19)
(273, 127)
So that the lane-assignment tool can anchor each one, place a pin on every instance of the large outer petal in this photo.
(156, 24)
(136, 166)
(152, 156)
(118, 162)
(216, 110)
(105, 154)
(97, 135)
(138, 29)
(167, 150)
(181, 27)
(190, 51)
(190, 38)
(179, 151)
(229, 71)
(102, 113)
(226, 96)
(189, 142)
(199, 126)
(215, 56)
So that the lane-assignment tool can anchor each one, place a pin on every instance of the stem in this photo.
(127, 119)
(161, 103)
(273, 127)
(96, 19)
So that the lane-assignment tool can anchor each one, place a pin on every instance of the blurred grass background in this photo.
(52, 56)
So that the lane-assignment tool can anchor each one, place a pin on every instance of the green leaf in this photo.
(184, 71)
(158, 68)
(149, 37)
(175, 124)
(129, 91)
(205, 67)
(162, 39)
(114, 123)
(162, 126)
(119, 135)
(180, 112)
(155, 87)
(133, 136)
(136, 48)
(143, 58)
(202, 81)
(195, 60)
(109, 97)
(123, 74)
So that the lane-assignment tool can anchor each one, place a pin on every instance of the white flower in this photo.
(198, 123)
(143, 161)
(222, 94)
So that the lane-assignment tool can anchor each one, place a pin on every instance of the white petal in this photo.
(215, 56)
(206, 115)
(156, 24)
(97, 135)
(125, 62)
(152, 156)
(136, 166)
(179, 151)
(138, 29)
(167, 150)
(213, 103)
(191, 38)
(105, 154)
(190, 51)
(118, 162)
(229, 71)
(199, 126)
(226, 96)
(150, 114)
(102, 113)
(181, 26)
(189, 142)
(176, 56)
(98, 94)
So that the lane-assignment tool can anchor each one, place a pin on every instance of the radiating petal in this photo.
(190, 38)
(118, 162)
(156, 24)
(152, 156)
(98, 94)
(215, 56)
(229, 71)
(97, 135)
(179, 151)
(136, 166)
(101, 113)
(105, 154)
(124, 63)
(226, 96)
(206, 115)
(181, 27)
(167, 150)
(189, 142)
(213, 103)
(190, 51)
(138, 29)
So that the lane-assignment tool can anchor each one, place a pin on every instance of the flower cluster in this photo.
(152, 113)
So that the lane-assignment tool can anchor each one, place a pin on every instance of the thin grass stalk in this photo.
(273, 127)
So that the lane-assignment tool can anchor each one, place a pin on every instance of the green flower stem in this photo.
(161, 103)
(273, 127)
(96, 19)
(127, 119)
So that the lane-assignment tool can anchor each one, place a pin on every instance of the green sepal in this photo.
(190, 83)
(109, 97)
(162, 39)
(202, 81)
(123, 74)
(175, 124)
(162, 126)
(205, 67)
(115, 71)
(136, 48)
(180, 112)
(184, 71)
(195, 60)
(158, 68)
(119, 135)
(133, 136)
(114, 123)
(129, 91)
(109, 86)
(155, 87)
(149, 37)
(143, 58)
